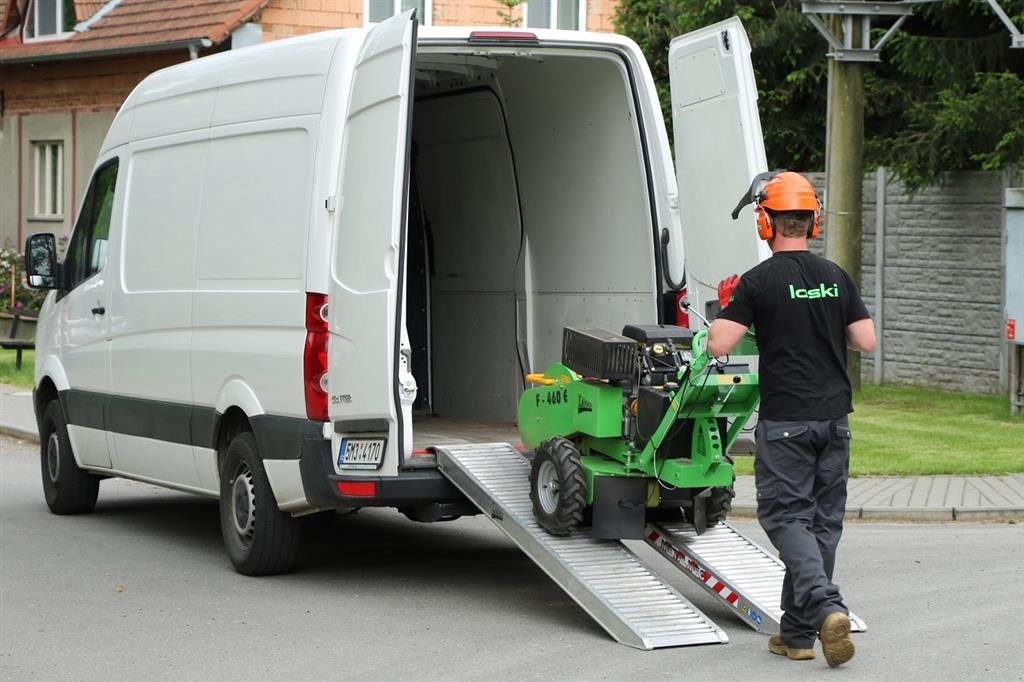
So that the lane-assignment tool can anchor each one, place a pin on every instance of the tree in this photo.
(507, 18)
(788, 57)
(948, 94)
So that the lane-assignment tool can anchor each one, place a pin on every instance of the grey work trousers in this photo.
(801, 470)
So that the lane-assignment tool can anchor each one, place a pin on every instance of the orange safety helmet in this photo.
(779, 192)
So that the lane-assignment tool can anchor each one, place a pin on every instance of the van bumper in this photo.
(326, 489)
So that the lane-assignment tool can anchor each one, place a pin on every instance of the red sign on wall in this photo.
(1011, 329)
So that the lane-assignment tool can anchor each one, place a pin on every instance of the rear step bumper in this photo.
(410, 488)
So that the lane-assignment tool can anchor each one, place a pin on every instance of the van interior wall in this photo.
(466, 186)
(584, 194)
(536, 213)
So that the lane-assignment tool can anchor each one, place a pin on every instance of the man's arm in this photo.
(725, 334)
(860, 335)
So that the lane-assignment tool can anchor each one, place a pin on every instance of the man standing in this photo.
(806, 312)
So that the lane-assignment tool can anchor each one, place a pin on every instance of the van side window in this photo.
(87, 251)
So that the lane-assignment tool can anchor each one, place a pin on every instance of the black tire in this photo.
(719, 504)
(558, 490)
(260, 539)
(68, 489)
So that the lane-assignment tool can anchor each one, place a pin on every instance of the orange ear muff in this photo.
(765, 229)
(815, 229)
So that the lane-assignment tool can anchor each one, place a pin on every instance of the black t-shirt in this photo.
(799, 305)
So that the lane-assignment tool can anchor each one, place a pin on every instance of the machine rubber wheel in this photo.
(68, 489)
(260, 539)
(718, 505)
(557, 487)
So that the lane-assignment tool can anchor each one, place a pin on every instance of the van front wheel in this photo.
(259, 537)
(68, 489)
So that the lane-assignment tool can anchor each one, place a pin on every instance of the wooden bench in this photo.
(12, 342)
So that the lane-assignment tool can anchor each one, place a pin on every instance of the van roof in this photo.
(307, 57)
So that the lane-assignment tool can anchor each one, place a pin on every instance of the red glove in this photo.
(725, 289)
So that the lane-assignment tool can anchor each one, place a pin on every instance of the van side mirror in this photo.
(41, 261)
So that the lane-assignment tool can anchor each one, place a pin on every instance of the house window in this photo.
(376, 11)
(48, 180)
(564, 14)
(49, 18)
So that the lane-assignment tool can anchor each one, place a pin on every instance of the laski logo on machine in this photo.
(584, 406)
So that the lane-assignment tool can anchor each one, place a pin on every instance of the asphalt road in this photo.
(141, 589)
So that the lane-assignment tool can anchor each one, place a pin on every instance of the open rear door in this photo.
(365, 307)
(718, 149)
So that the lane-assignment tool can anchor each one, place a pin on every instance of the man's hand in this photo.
(725, 289)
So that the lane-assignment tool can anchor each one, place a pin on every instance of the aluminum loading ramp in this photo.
(732, 568)
(631, 602)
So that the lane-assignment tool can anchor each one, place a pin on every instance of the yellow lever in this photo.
(540, 379)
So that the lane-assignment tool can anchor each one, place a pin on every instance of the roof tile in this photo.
(140, 25)
(86, 8)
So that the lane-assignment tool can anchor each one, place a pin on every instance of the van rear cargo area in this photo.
(429, 431)
(530, 209)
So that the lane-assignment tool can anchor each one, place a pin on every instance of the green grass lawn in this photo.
(901, 431)
(9, 375)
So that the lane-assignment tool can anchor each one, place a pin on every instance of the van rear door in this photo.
(718, 149)
(365, 308)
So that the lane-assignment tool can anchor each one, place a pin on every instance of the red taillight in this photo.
(314, 357)
(513, 36)
(358, 488)
(316, 312)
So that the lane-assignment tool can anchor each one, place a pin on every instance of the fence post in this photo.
(880, 181)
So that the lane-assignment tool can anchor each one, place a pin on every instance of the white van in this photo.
(300, 265)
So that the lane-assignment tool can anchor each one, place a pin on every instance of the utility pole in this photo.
(844, 174)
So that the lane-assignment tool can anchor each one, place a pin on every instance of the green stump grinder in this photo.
(634, 427)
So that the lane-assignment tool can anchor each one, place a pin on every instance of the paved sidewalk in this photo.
(16, 416)
(911, 498)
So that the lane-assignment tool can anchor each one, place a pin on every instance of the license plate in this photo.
(361, 453)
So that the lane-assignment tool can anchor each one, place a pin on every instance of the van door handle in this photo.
(99, 310)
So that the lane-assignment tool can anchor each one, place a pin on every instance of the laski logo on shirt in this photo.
(820, 291)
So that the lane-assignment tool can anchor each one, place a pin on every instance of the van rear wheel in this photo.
(260, 539)
(68, 489)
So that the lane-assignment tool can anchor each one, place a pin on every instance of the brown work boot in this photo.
(835, 639)
(777, 646)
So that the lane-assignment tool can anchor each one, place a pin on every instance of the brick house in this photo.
(67, 65)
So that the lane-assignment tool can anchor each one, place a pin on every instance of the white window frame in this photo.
(33, 9)
(396, 8)
(581, 14)
(48, 196)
